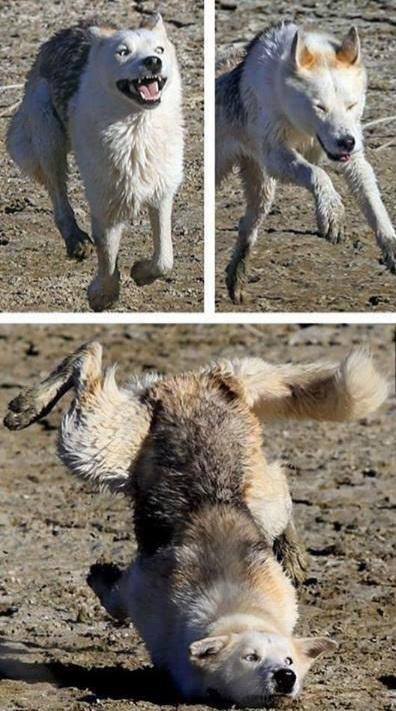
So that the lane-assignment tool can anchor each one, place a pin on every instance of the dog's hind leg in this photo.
(101, 433)
(37, 142)
(259, 192)
(34, 403)
(145, 271)
(291, 554)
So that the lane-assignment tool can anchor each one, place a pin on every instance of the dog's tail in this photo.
(335, 392)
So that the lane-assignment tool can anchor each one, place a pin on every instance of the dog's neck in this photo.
(265, 600)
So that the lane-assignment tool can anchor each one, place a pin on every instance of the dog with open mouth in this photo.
(211, 589)
(114, 98)
(290, 97)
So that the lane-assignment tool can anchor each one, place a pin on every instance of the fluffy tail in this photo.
(348, 390)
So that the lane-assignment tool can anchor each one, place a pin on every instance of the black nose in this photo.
(154, 64)
(347, 143)
(284, 679)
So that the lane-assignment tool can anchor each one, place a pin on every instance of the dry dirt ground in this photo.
(35, 273)
(292, 268)
(59, 650)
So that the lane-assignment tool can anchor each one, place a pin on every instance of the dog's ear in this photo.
(349, 50)
(312, 647)
(203, 650)
(300, 55)
(98, 34)
(155, 23)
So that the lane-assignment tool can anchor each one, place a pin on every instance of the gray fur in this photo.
(61, 62)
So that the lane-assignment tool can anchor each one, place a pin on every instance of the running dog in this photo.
(214, 606)
(114, 98)
(291, 98)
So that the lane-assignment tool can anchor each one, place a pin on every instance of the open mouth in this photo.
(338, 157)
(146, 90)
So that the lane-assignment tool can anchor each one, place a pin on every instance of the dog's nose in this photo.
(154, 64)
(347, 143)
(284, 679)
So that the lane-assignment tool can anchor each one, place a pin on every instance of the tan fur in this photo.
(206, 592)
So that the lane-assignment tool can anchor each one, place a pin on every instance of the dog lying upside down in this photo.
(210, 591)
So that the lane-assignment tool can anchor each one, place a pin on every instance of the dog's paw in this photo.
(236, 280)
(79, 246)
(388, 247)
(144, 272)
(103, 294)
(292, 557)
(330, 217)
(22, 411)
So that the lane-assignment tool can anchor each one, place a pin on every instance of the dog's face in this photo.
(135, 64)
(325, 94)
(250, 667)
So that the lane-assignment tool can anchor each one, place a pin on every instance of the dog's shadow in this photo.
(144, 684)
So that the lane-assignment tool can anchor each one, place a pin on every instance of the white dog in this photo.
(114, 97)
(214, 606)
(294, 96)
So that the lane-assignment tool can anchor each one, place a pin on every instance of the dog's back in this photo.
(195, 456)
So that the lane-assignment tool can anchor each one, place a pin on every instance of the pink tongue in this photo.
(149, 91)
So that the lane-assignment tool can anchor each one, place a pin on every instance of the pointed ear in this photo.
(313, 647)
(300, 55)
(100, 33)
(349, 50)
(203, 650)
(155, 23)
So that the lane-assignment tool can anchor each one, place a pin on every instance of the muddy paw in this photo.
(143, 272)
(293, 558)
(23, 410)
(236, 281)
(389, 254)
(79, 247)
(103, 295)
(331, 220)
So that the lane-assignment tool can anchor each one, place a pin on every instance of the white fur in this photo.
(129, 155)
(288, 109)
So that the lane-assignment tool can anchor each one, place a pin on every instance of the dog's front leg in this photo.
(362, 181)
(145, 271)
(288, 165)
(104, 290)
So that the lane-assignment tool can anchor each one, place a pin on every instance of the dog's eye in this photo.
(321, 108)
(289, 661)
(159, 50)
(351, 106)
(252, 657)
(123, 51)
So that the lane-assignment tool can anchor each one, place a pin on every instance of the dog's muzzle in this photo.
(346, 145)
(146, 90)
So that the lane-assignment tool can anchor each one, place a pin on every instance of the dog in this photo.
(292, 98)
(114, 98)
(210, 591)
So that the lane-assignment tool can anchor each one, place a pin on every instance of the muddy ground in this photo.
(292, 268)
(59, 650)
(35, 274)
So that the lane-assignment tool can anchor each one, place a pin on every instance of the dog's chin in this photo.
(336, 157)
(145, 91)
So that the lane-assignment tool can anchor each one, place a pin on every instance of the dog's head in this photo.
(324, 91)
(250, 667)
(136, 64)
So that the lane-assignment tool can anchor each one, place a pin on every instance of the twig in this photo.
(11, 86)
(7, 111)
(386, 119)
(392, 142)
